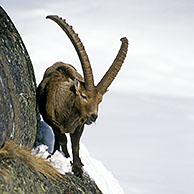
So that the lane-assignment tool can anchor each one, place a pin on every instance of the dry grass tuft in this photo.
(11, 150)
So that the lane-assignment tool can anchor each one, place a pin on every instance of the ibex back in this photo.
(67, 101)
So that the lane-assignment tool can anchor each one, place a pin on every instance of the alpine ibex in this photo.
(67, 101)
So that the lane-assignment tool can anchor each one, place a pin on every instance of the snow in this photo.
(97, 171)
(103, 178)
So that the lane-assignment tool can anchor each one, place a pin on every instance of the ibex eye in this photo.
(84, 96)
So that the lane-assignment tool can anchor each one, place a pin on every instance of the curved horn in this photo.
(115, 67)
(87, 70)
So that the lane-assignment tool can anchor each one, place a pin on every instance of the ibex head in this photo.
(87, 102)
(89, 95)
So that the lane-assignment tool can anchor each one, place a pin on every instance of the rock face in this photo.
(20, 171)
(18, 110)
(33, 183)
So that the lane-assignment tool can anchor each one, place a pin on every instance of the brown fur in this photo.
(11, 150)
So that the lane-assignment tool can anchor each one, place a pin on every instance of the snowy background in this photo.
(145, 131)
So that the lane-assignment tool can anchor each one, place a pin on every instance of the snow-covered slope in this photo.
(103, 178)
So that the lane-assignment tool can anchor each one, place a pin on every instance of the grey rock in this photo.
(18, 110)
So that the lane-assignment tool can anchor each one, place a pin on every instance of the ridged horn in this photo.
(115, 67)
(87, 70)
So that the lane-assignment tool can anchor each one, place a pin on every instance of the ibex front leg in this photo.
(75, 138)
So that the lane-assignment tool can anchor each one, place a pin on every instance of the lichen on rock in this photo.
(18, 111)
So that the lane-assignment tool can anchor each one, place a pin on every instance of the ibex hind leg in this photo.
(75, 139)
(60, 140)
(56, 144)
(63, 143)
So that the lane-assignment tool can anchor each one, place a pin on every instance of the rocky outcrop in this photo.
(18, 111)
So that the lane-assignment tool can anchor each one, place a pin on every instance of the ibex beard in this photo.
(68, 101)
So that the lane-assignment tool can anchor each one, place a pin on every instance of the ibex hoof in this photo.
(49, 156)
(77, 170)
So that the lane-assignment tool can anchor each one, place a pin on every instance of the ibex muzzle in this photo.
(67, 101)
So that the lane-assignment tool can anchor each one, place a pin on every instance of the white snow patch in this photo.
(102, 177)
(62, 164)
